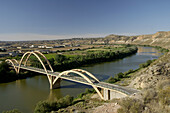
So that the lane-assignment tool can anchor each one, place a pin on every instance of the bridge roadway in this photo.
(125, 90)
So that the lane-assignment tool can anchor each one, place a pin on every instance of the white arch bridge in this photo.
(106, 91)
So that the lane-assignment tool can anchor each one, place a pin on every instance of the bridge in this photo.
(106, 91)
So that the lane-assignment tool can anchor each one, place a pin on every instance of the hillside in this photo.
(160, 38)
(153, 81)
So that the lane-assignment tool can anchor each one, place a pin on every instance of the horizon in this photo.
(67, 37)
(53, 20)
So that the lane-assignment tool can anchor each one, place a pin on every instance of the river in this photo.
(24, 94)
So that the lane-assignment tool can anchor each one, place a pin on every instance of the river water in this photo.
(24, 94)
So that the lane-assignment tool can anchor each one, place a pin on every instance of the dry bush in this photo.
(163, 84)
(131, 105)
(164, 96)
(149, 95)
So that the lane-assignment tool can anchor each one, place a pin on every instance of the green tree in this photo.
(43, 107)
(51, 60)
(5, 73)
(60, 58)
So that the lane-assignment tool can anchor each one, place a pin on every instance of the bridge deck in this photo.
(69, 77)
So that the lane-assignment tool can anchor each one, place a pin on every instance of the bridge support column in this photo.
(56, 84)
(106, 94)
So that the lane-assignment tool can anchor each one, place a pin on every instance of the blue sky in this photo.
(54, 19)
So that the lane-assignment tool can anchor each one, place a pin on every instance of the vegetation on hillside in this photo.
(163, 50)
(45, 106)
(126, 74)
(154, 100)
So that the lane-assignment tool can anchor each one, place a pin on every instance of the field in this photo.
(85, 51)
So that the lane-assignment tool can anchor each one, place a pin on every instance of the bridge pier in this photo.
(110, 94)
(56, 84)
(106, 94)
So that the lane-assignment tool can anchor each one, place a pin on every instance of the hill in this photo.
(161, 38)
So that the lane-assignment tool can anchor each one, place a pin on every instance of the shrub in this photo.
(128, 72)
(88, 91)
(163, 84)
(80, 95)
(111, 80)
(45, 106)
(147, 63)
(164, 96)
(12, 111)
(120, 75)
(130, 105)
(66, 101)
(149, 95)
(60, 58)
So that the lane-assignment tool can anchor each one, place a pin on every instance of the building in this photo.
(4, 54)
(13, 53)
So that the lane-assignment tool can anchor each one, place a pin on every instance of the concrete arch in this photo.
(89, 74)
(35, 54)
(42, 56)
(14, 60)
(82, 75)
(27, 53)
(11, 61)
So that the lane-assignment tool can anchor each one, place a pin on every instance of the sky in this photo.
(58, 19)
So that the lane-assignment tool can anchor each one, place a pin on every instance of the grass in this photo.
(52, 55)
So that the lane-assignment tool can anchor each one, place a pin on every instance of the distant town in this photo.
(17, 48)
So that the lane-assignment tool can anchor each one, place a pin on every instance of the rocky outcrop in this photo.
(107, 108)
(151, 76)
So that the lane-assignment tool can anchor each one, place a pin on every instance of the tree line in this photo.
(62, 62)
(7, 74)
